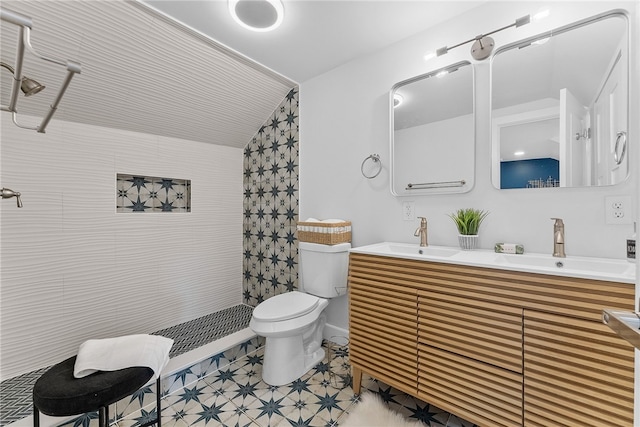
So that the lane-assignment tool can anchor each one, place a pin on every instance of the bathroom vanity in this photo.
(495, 340)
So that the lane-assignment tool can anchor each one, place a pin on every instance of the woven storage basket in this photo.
(324, 233)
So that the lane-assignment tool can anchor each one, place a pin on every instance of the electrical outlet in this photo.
(618, 209)
(408, 211)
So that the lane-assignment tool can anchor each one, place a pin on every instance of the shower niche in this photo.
(137, 193)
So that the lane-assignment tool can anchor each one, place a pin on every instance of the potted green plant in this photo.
(468, 223)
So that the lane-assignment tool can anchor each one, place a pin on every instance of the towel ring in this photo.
(620, 136)
(376, 159)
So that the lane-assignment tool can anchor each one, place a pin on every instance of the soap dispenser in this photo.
(631, 245)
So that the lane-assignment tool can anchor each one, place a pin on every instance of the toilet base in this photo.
(285, 361)
(313, 359)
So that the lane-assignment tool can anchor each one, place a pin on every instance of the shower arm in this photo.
(24, 40)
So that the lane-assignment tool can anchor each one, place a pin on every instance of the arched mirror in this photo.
(560, 107)
(432, 132)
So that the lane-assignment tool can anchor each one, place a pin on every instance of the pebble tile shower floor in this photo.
(236, 396)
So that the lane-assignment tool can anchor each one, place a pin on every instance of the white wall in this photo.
(344, 118)
(419, 151)
(72, 268)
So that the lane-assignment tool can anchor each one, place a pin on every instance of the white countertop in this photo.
(614, 270)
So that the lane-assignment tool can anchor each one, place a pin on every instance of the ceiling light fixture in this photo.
(257, 15)
(483, 44)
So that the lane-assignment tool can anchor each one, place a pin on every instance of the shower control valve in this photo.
(7, 193)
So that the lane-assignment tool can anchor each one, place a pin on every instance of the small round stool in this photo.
(58, 393)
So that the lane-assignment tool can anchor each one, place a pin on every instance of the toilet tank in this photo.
(324, 269)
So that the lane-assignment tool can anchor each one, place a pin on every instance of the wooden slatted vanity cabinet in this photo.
(495, 347)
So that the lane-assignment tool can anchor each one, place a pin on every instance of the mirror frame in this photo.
(495, 124)
(456, 187)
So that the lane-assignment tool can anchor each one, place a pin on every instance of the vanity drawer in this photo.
(478, 392)
(484, 331)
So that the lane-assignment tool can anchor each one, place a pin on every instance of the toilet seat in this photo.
(285, 306)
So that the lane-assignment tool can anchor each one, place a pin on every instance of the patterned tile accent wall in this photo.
(270, 262)
(151, 194)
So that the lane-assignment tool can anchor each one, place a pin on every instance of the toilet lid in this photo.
(285, 306)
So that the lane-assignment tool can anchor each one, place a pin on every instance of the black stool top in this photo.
(58, 393)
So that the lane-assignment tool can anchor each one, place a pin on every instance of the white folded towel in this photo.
(112, 354)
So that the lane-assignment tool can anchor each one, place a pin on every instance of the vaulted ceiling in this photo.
(316, 35)
(179, 69)
(141, 71)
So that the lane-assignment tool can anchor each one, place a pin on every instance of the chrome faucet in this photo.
(558, 238)
(422, 231)
(7, 193)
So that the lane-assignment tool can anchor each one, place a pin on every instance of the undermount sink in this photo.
(571, 266)
(569, 263)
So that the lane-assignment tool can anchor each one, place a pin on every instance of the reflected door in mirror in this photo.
(555, 102)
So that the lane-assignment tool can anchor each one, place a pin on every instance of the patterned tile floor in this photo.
(235, 396)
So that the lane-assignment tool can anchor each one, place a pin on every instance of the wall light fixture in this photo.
(483, 44)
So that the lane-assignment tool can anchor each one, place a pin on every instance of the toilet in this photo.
(293, 322)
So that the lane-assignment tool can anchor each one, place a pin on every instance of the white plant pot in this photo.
(468, 242)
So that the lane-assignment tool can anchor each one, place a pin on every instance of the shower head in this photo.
(28, 86)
